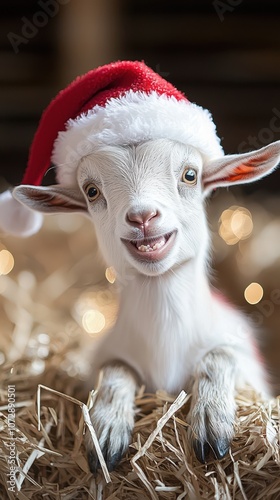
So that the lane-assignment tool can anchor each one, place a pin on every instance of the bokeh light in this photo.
(6, 262)
(93, 321)
(253, 293)
(236, 224)
(37, 366)
(43, 351)
(241, 223)
(43, 338)
(110, 274)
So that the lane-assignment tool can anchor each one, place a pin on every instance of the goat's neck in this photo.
(174, 296)
(161, 322)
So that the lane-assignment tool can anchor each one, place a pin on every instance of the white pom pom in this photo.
(17, 219)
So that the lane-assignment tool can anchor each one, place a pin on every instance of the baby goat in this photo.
(172, 331)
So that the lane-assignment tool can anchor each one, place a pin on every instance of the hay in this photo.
(160, 464)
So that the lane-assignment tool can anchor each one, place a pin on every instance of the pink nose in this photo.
(141, 218)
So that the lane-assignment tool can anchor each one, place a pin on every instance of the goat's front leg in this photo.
(112, 415)
(212, 411)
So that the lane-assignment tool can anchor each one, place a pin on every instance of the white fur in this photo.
(130, 119)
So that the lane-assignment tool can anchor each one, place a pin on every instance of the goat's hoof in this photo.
(202, 451)
(220, 448)
(113, 433)
(112, 460)
(93, 462)
(205, 451)
(212, 427)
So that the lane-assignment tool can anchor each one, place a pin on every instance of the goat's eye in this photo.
(189, 176)
(92, 192)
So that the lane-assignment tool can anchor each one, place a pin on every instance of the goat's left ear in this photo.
(51, 199)
(241, 168)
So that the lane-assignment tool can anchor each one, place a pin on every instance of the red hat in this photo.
(120, 103)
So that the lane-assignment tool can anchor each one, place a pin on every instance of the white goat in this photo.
(172, 332)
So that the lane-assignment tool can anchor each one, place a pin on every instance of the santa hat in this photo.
(120, 103)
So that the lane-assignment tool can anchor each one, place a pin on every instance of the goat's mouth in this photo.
(151, 249)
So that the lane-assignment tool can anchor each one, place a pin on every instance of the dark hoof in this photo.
(205, 451)
(93, 462)
(114, 460)
(220, 448)
(111, 460)
(202, 451)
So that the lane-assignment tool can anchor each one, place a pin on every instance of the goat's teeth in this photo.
(148, 248)
(158, 245)
(144, 248)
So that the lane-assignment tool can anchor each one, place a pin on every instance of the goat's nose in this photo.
(141, 218)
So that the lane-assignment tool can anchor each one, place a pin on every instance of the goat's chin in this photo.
(152, 269)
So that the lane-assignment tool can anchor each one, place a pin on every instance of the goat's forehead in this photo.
(154, 156)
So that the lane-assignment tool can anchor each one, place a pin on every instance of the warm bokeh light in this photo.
(253, 293)
(6, 262)
(227, 214)
(235, 224)
(110, 274)
(227, 235)
(241, 224)
(93, 321)
(96, 309)
(37, 366)
(43, 338)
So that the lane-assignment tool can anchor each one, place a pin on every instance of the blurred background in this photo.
(225, 55)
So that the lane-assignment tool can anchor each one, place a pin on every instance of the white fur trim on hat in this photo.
(17, 219)
(129, 119)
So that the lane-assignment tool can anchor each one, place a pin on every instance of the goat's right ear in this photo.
(242, 168)
(51, 199)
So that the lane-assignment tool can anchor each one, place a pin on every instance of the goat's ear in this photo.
(241, 168)
(51, 199)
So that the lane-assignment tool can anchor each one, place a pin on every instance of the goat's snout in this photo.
(142, 218)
